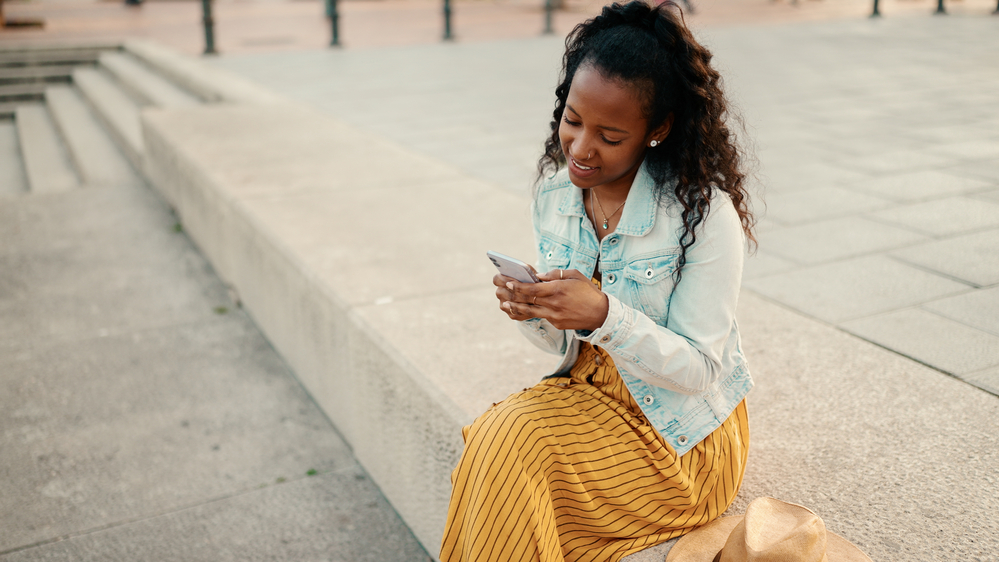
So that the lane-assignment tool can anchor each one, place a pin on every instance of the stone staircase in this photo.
(69, 115)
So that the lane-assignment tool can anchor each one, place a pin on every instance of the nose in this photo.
(580, 148)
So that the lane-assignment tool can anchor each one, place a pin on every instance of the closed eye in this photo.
(567, 121)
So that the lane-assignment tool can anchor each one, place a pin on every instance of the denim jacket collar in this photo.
(640, 208)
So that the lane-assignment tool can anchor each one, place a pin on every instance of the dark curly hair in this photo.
(652, 49)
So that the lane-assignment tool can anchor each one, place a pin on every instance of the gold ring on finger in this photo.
(535, 301)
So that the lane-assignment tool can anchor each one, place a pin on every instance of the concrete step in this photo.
(22, 92)
(44, 73)
(7, 109)
(144, 83)
(46, 162)
(207, 83)
(115, 108)
(12, 180)
(27, 55)
(91, 148)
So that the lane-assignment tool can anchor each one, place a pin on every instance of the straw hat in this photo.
(770, 531)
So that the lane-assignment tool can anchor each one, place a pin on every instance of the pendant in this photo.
(605, 224)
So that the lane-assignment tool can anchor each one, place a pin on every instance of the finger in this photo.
(503, 294)
(501, 280)
(526, 292)
(519, 311)
(575, 274)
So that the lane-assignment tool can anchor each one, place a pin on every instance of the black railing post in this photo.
(940, 8)
(334, 15)
(206, 9)
(548, 17)
(447, 20)
(875, 13)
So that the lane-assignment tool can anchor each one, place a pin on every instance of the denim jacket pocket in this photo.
(554, 255)
(650, 279)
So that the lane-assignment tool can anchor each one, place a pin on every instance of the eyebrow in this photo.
(615, 129)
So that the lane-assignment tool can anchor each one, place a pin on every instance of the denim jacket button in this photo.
(650, 273)
(549, 256)
(613, 241)
(649, 399)
(682, 440)
(605, 339)
(611, 278)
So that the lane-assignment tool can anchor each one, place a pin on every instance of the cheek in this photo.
(563, 137)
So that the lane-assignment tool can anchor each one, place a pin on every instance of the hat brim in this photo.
(703, 543)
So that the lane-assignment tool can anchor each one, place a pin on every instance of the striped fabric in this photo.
(570, 470)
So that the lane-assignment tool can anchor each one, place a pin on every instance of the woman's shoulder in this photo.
(552, 184)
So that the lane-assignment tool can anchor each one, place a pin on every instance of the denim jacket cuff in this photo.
(616, 327)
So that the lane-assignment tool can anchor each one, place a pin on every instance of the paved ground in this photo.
(282, 25)
(878, 148)
(136, 399)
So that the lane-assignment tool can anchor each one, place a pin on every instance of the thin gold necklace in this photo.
(602, 213)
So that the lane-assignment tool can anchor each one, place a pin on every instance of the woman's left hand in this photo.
(567, 299)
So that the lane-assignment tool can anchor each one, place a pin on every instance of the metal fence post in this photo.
(447, 20)
(206, 9)
(334, 15)
(940, 8)
(875, 13)
(548, 17)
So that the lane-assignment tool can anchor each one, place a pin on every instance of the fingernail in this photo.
(509, 285)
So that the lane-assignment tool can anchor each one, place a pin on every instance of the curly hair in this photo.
(652, 49)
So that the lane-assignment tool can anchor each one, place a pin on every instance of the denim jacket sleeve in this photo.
(693, 351)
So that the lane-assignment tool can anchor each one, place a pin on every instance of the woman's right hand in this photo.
(505, 295)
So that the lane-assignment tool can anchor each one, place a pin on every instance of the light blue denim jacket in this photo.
(678, 351)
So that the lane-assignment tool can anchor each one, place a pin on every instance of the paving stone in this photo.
(920, 185)
(761, 264)
(809, 174)
(854, 288)
(971, 257)
(899, 161)
(979, 149)
(810, 205)
(987, 170)
(987, 380)
(942, 217)
(992, 195)
(334, 516)
(834, 239)
(978, 308)
(932, 339)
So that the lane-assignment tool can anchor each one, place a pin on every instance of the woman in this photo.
(641, 434)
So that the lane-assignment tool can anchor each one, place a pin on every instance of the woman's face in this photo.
(603, 131)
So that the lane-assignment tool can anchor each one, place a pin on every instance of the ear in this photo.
(662, 131)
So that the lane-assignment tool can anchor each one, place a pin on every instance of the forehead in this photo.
(608, 101)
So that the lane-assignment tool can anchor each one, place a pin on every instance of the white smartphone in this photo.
(512, 267)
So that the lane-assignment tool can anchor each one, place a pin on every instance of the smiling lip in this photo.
(580, 170)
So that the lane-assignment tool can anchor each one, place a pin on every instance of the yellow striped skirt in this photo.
(570, 470)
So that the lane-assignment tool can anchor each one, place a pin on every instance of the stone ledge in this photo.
(364, 266)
